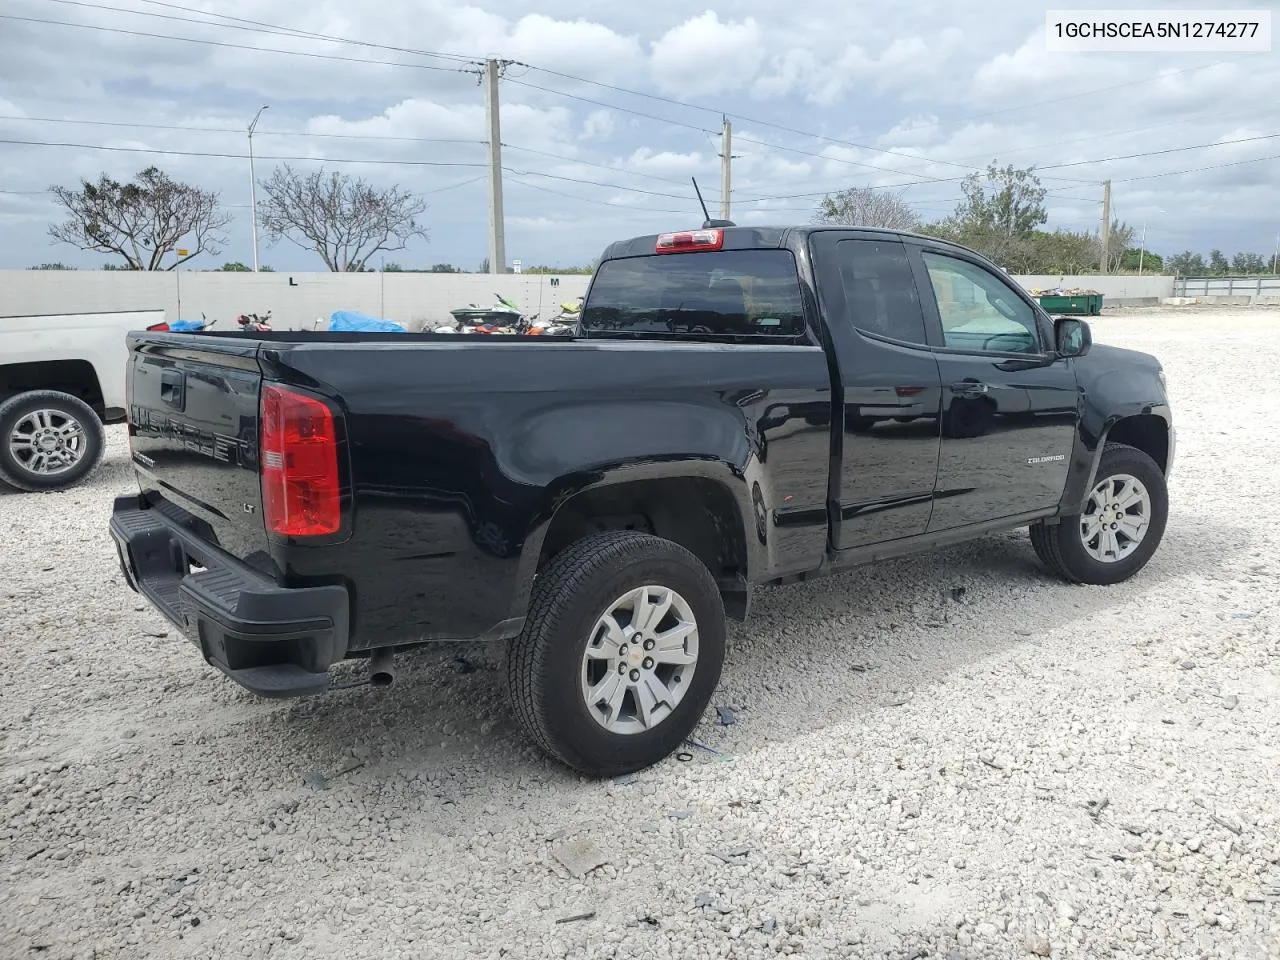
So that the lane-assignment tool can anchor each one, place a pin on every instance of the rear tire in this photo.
(1071, 548)
(49, 440)
(554, 679)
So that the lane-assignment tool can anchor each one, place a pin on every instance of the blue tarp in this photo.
(186, 326)
(348, 321)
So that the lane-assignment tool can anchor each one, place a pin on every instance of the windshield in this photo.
(739, 293)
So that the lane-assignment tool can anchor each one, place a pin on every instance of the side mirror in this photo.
(1071, 336)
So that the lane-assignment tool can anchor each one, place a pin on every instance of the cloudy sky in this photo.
(610, 108)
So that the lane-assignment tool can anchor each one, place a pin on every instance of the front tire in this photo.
(1120, 527)
(49, 440)
(620, 652)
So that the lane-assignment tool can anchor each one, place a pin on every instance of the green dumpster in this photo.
(1088, 305)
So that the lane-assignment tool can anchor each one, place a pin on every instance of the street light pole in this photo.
(253, 188)
(1142, 249)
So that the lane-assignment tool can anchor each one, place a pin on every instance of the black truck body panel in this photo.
(459, 456)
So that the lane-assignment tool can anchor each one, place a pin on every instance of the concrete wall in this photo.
(296, 300)
(1112, 288)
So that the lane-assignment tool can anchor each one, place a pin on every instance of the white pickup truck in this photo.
(62, 376)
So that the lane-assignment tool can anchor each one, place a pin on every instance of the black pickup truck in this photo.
(739, 406)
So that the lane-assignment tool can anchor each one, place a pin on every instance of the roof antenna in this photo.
(707, 222)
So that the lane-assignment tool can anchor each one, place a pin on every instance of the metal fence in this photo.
(1227, 287)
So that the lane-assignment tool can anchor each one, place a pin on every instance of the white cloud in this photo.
(598, 125)
(667, 162)
(704, 55)
(887, 74)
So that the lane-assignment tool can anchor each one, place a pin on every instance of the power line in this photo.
(588, 163)
(262, 26)
(1217, 115)
(610, 106)
(234, 46)
(594, 183)
(407, 163)
(1075, 163)
(604, 203)
(454, 186)
(258, 26)
(738, 116)
(1071, 96)
(244, 156)
(341, 136)
(1156, 153)
(704, 130)
(238, 131)
(1215, 166)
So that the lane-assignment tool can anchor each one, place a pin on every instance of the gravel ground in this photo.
(949, 756)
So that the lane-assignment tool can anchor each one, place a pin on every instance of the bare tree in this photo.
(141, 221)
(344, 219)
(867, 207)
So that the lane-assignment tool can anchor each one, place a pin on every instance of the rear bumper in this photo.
(272, 640)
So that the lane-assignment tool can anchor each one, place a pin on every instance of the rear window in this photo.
(737, 293)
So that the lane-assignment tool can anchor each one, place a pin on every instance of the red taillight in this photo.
(158, 327)
(688, 241)
(300, 487)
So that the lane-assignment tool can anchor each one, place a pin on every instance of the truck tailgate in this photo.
(193, 434)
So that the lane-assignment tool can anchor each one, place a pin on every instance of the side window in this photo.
(978, 310)
(879, 290)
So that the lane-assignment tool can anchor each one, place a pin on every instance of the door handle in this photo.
(969, 388)
(173, 388)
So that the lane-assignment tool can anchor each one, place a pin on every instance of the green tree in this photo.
(1120, 240)
(234, 266)
(1008, 201)
(1186, 264)
(1218, 263)
(1150, 261)
(51, 266)
(589, 269)
(1250, 263)
(444, 268)
(998, 216)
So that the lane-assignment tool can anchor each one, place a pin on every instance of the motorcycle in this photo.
(505, 318)
(254, 323)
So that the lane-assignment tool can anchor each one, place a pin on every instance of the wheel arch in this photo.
(1144, 431)
(1147, 428)
(694, 505)
(75, 377)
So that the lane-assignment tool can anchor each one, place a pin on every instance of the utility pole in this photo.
(1106, 223)
(1275, 256)
(253, 188)
(726, 167)
(1142, 249)
(497, 224)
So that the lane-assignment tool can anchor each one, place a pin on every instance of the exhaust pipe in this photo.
(381, 672)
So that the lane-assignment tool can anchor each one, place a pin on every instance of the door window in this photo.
(879, 289)
(978, 310)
